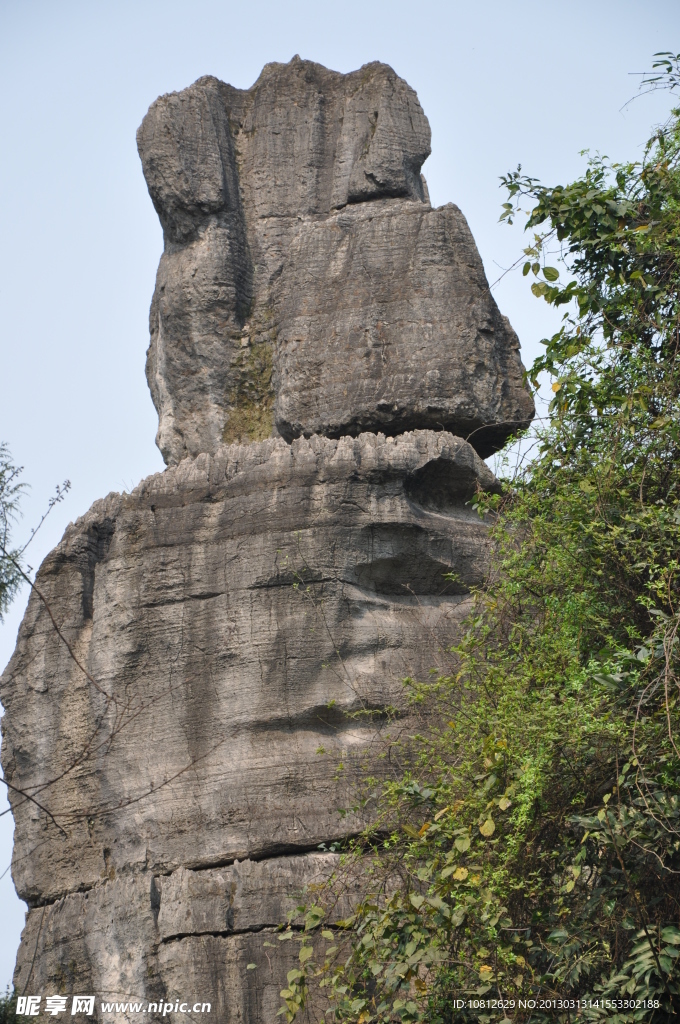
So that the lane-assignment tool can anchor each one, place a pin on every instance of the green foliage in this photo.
(530, 847)
(8, 1005)
(10, 493)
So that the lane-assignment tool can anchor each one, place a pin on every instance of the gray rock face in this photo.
(209, 664)
(228, 618)
(121, 941)
(306, 285)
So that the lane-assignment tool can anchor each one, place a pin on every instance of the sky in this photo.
(501, 84)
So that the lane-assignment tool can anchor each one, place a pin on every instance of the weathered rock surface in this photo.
(209, 664)
(228, 616)
(246, 896)
(306, 285)
(121, 940)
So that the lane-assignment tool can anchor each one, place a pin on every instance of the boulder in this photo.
(306, 285)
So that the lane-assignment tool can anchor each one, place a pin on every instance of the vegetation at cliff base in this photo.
(529, 848)
(8, 1006)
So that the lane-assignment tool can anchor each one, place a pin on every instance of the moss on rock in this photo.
(251, 400)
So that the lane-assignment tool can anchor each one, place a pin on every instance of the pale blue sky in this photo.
(501, 83)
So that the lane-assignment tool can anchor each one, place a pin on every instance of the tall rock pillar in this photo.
(239, 626)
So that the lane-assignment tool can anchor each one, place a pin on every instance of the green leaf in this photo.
(305, 953)
(550, 273)
(462, 843)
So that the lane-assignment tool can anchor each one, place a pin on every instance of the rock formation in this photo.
(202, 654)
(307, 286)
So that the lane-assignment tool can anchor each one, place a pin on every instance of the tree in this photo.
(8, 1003)
(529, 849)
(10, 493)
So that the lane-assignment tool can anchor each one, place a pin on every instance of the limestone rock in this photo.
(403, 333)
(245, 896)
(233, 612)
(306, 284)
(146, 939)
(209, 664)
(101, 942)
(227, 619)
